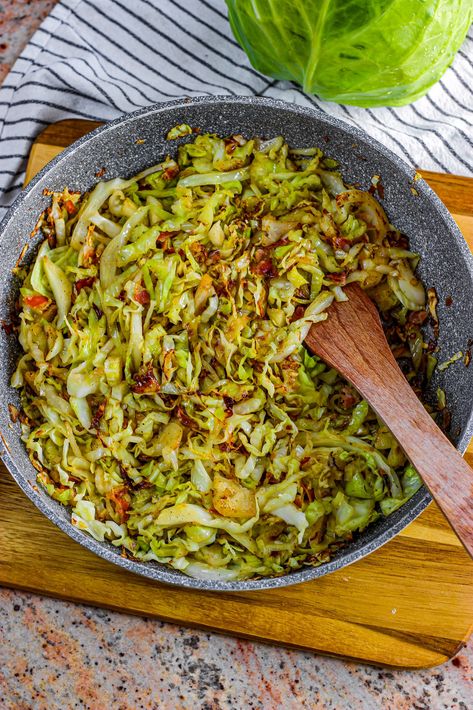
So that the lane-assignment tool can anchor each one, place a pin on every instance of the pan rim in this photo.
(162, 573)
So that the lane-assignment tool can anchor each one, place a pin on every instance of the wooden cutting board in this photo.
(409, 604)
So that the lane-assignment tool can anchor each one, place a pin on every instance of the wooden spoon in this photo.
(352, 341)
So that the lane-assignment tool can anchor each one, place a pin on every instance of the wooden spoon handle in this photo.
(367, 362)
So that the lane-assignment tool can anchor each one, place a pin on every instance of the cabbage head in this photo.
(359, 52)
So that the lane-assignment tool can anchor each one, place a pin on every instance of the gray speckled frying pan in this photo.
(446, 264)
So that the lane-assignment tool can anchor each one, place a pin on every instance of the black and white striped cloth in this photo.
(98, 59)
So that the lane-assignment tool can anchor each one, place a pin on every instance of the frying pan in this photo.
(138, 140)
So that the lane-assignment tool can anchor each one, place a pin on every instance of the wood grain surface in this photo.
(408, 605)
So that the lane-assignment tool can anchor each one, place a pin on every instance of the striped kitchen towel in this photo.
(98, 59)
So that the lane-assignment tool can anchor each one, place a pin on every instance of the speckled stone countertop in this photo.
(55, 655)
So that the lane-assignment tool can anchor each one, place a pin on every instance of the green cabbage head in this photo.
(359, 52)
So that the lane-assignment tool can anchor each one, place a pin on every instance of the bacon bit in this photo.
(98, 311)
(228, 402)
(90, 256)
(280, 243)
(185, 418)
(348, 398)
(8, 328)
(265, 268)
(99, 412)
(120, 497)
(24, 419)
(141, 295)
(199, 252)
(38, 302)
(146, 382)
(298, 313)
(14, 413)
(170, 172)
(338, 278)
(396, 239)
(70, 207)
(417, 318)
(37, 226)
(100, 173)
(380, 187)
(400, 351)
(341, 243)
(446, 419)
(448, 301)
(87, 282)
(230, 145)
(225, 446)
(130, 483)
(162, 236)
(467, 355)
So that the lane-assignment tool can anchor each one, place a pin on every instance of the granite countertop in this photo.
(56, 654)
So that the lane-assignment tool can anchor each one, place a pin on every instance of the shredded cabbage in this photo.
(167, 397)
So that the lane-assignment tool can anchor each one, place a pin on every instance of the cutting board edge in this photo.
(440, 659)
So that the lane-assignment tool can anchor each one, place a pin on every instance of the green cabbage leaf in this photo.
(359, 52)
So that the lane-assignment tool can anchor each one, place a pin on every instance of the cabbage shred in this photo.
(167, 397)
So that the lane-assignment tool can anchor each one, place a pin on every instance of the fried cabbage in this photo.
(167, 397)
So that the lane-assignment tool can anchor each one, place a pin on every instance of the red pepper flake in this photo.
(145, 382)
(86, 282)
(100, 173)
(448, 301)
(37, 302)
